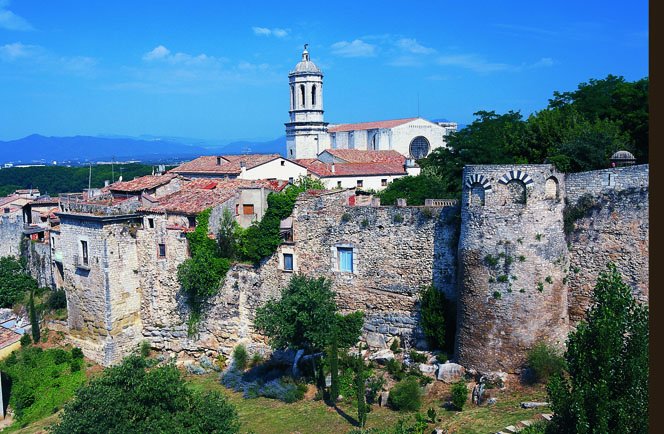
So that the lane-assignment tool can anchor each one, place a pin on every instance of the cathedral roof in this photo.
(370, 125)
(362, 156)
(327, 170)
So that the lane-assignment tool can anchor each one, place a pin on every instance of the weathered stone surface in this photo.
(450, 372)
(382, 356)
(296, 361)
(530, 404)
(375, 340)
(383, 397)
(429, 370)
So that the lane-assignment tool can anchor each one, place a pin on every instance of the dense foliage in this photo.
(41, 381)
(438, 319)
(59, 179)
(545, 360)
(459, 394)
(415, 189)
(578, 131)
(15, 280)
(607, 360)
(406, 395)
(201, 275)
(130, 399)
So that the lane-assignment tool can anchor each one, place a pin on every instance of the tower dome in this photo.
(306, 66)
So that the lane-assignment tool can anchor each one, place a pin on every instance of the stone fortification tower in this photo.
(307, 131)
(513, 261)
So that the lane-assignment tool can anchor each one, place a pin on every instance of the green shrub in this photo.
(60, 356)
(406, 395)
(540, 286)
(441, 357)
(548, 279)
(497, 294)
(57, 300)
(509, 260)
(438, 319)
(256, 359)
(545, 360)
(396, 369)
(397, 218)
(375, 385)
(25, 340)
(522, 258)
(491, 260)
(538, 237)
(145, 349)
(345, 217)
(76, 353)
(540, 427)
(394, 346)
(492, 280)
(417, 357)
(240, 357)
(75, 365)
(426, 212)
(502, 278)
(365, 223)
(459, 394)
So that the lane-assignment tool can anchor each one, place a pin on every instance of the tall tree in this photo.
(360, 387)
(607, 359)
(34, 323)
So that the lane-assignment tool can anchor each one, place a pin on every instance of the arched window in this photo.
(476, 194)
(303, 97)
(551, 188)
(313, 95)
(292, 98)
(419, 147)
(374, 142)
(517, 191)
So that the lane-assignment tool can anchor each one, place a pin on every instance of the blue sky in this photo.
(218, 70)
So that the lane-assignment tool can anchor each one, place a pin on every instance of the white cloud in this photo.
(10, 21)
(357, 48)
(17, 50)
(543, 62)
(472, 62)
(412, 46)
(264, 31)
(163, 54)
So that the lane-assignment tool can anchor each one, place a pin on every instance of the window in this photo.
(192, 221)
(383, 182)
(283, 163)
(218, 161)
(374, 142)
(359, 183)
(248, 209)
(237, 209)
(288, 261)
(419, 147)
(290, 180)
(338, 184)
(303, 97)
(84, 252)
(345, 259)
(313, 95)
(151, 223)
(161, 250)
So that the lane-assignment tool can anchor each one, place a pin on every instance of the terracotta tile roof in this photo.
(8, 337)
(324, 170)
(369, 125)
(203, 193)
(361, 156)
(230, 164)
(8, 199)
(139, 184)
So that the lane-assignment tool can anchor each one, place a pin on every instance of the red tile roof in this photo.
(139, 184)
(9, 199)
(230, 164)
(361, 156)
(324, 170)
(8, 337)
(369, 125)
(203, 193)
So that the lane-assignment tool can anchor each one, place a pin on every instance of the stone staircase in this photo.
(522, 424)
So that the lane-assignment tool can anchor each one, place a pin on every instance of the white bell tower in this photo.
(306, 133)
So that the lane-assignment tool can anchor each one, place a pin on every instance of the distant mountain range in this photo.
(40, 149)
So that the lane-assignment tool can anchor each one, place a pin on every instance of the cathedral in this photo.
(308, 135)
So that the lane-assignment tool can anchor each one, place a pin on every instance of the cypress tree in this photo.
(33, 318)
(359, 385)
(334, 367)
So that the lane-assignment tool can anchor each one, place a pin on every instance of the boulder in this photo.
(428, 370)
(376, 340)
(450, 372)
(382, 356)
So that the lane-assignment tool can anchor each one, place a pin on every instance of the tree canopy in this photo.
(607, 359)
(14, 280)
(128, 398)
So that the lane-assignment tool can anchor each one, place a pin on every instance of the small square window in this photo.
(290, 180)
(345, 259)
(248, 209)
(338, 184)
(283, 163)
(360, 183)
(383, 182)
(288, 261)
(192, 221)
(161, 250)
(151, 223)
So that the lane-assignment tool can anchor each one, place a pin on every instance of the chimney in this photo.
(332, 169)
(243, 166)
(218, 161)
(106, 182)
